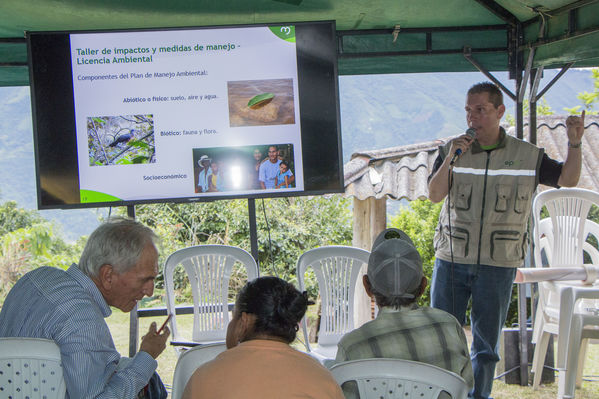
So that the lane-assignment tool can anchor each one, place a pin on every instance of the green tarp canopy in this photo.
(374, 36)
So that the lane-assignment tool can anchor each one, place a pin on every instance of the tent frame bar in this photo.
(342, 54)
(573, 35)
(388, 31)
(567, 8)
(499, 11)
(555, 79)
(394, 32)
(468, 55)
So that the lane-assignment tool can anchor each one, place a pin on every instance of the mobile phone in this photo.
(164, 324)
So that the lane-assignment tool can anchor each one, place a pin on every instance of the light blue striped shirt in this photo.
(68, 308)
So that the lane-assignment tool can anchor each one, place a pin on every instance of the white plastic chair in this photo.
(189, 361)
(562, 238)
(337, 269)
(399, 379)
(209, 269)
(30, 368)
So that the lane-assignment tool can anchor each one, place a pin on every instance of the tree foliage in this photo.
(543, 108)
(12, 217)
(28, 241)
(419, 220)
(286, 227)
(588, 99)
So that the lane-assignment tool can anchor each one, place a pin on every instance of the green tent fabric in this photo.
(375, 36)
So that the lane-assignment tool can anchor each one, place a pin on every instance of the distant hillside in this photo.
(17, 180)
(376, 112)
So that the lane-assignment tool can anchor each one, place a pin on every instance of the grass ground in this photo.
(119, 326)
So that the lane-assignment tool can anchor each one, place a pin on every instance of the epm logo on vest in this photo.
(513, 163)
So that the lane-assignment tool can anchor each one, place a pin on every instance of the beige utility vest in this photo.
(489, 204)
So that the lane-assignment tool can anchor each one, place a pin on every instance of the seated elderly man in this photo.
(402, 329)
(117, 268)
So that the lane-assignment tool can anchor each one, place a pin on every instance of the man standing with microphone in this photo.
(488, 182)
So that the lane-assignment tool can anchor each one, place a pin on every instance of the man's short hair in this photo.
(118, 242)
(394, 302)
(495, 94)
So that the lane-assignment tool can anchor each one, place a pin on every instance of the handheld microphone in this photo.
(471, 132)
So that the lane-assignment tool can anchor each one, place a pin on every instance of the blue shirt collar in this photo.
(90, 287)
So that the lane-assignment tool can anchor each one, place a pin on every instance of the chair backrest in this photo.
(544, 236)
(560, 240)
(30, 368)
(336, 269)
(209, 269)
(395, 378)
(189, 361)
(568, 211)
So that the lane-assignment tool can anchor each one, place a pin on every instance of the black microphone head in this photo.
(471, 132)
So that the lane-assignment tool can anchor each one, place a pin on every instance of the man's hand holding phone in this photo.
(154, 341)
(164, 324)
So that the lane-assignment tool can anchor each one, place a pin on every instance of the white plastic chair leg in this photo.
(538, 359)
(566, 384)
(538, 326)
(581, 358)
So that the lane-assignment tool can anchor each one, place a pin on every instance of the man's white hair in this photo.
(118, 242)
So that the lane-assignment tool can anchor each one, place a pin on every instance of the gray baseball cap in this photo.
(394, 265)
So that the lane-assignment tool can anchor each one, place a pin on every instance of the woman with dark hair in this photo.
(259, 362)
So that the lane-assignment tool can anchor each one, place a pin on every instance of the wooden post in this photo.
(370, 218)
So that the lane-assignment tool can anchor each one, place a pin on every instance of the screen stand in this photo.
(133, 319)
(253, 230)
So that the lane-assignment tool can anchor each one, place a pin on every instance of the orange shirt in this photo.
(262, 369)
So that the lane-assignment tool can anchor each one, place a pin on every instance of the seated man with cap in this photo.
(402, 329)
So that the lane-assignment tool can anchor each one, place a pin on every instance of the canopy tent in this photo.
(381, 36)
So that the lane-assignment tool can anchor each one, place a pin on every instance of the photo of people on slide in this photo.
(256, 167)
(121, 140)
(261, 102)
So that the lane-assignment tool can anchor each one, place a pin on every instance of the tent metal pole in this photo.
(532, 112)
(133, 318)
(538, 75)
(516, 72)
(522, 311)
(522, 88)
(468, 55)
(253, 230)
(555, 79)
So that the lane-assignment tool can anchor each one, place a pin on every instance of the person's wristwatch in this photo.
(577, 145)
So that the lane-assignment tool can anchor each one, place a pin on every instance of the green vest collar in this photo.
(476, 148)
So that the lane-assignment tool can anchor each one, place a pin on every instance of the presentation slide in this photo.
(184, 113)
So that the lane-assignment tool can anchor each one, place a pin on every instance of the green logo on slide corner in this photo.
(286, 33)
(95, 196)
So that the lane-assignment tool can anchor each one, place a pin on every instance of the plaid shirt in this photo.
(424, 335)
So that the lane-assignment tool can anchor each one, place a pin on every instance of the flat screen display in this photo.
(186, 114)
